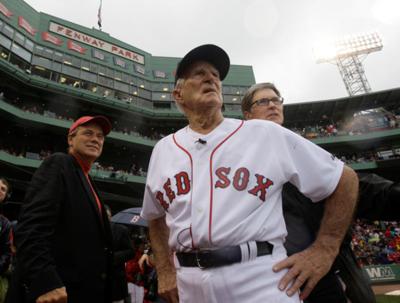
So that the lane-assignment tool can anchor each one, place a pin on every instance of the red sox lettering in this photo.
(240, 182)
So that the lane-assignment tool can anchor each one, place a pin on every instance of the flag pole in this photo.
(99, 15)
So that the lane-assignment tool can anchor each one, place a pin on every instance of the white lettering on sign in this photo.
(92, 41)
(380, 273)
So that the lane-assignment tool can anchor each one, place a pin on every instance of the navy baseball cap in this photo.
(210, 53)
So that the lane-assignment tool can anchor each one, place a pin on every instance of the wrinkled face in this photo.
(87, 142)
(272, 112)
(3, 191)
(200, 89)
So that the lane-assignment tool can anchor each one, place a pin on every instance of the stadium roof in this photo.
(308, 113)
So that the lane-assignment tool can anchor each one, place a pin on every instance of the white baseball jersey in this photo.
(226, 189)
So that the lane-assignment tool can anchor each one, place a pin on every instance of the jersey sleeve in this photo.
(314, 171)
(151, 207)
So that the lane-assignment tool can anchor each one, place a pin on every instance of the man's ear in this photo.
(177, 94)
(247, 115)
(69, 141)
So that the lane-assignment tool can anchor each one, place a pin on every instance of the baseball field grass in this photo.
(387, 299)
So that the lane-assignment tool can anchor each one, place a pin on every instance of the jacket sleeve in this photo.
(36, 228)
(379, 198)
(124, 250)
(5, 244)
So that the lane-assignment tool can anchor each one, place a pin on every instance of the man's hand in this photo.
(166, 272)
(144, 259)
(305, 268)
(167, 287)
(58, 295)
(310, 265)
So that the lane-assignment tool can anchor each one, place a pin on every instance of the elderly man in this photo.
(379, 200)
(213, 197)
(63, 238)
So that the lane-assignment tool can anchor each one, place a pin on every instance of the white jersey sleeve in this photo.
(314, 171)
(151, 208)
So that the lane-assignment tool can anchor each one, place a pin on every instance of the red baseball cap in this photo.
(102, 121)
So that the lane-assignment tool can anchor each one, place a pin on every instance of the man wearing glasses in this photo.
(378, 201)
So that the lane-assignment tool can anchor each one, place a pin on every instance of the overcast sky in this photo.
(276, 37)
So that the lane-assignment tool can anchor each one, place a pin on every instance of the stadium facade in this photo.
(53, 71)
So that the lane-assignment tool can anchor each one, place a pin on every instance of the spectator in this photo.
(63, 238)
(5, 243)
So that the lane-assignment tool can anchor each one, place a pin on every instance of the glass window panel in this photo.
(98, 55)
(19, 38)
(69, 70)
(157, 87)
(117, 75)
(94, 67)
(48, 53)
(67, 59)
(231, 98)
(121, 86)
(4, 41)
(110, 72)
(144, 93)
(133, 90)
(134, 81)
(58, 56)
(242, 89)
(85, 65)
(102, 70)
(106, 81)
(41, 61)
(56, 66)
(140, 69)
(126, 78)
(8, 31)
(120, 62)
(88, 76)
(159, 74)
(1, 24)
(161, 97)
(29, 45)
(39, 49)
(20, 51)
(76, 61)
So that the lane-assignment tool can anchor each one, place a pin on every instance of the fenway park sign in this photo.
(94, 42)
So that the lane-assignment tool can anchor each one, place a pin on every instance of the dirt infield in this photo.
(384, 288)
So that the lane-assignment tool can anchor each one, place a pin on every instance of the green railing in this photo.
(42, 119)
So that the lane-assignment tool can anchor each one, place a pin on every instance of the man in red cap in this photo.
(63, 238)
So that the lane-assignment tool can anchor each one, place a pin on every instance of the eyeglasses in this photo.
(267, 101)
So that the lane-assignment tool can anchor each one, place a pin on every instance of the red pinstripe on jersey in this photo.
(191, 179)
(211, 178)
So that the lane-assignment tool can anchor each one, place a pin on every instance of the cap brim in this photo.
(210, 53)
(104, 123)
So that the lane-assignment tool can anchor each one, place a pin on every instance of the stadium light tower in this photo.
(348, 53)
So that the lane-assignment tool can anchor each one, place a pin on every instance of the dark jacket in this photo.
(378, 200)
(123, 251)
(61, 238)
(5, 248)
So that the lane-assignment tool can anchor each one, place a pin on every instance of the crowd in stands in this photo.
(362, 123)
(67, 115)
(376, 242)
(117, 173)
(373, 120)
